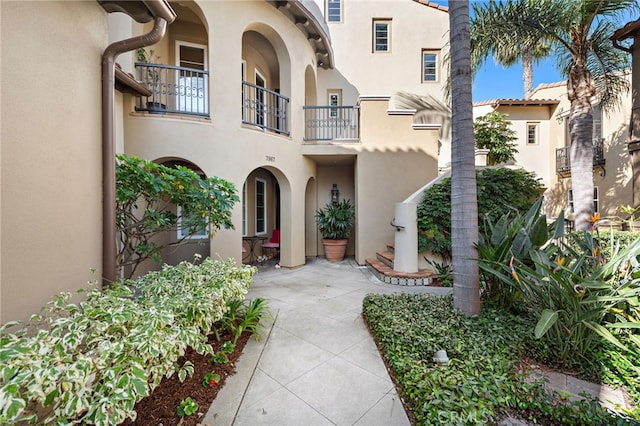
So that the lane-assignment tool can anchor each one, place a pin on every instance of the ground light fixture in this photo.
(441, 357)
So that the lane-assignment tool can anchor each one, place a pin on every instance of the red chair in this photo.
(274, 242)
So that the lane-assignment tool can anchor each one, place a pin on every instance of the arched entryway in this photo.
(261, 216)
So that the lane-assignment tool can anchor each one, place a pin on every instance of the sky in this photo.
(496, 82)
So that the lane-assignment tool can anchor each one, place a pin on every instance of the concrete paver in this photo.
(317, 363)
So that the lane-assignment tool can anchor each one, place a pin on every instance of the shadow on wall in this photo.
(618, 171)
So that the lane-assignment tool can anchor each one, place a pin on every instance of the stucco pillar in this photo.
(406, 238)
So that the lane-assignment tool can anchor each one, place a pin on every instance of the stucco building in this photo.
(543, 140)
(284, 99)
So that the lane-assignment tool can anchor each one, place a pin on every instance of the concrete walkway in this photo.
(317, 364)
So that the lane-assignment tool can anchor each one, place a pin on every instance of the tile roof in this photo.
(432, 4)
(518, 102)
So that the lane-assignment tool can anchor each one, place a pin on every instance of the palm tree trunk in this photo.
(527, 71)
(581, 131)
(464, 203)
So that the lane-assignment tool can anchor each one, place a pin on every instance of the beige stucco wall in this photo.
(50, 234)
(375, 175)
(414, 27)
(222, 146)
(394, 161)
(614, 181)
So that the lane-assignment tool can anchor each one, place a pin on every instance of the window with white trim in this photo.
(261, 206)
(184, 231)
(191, 88)
(429, 66)
(335, 100)
(596, 200)
(532, 133)
(334, 10)
(382, 35)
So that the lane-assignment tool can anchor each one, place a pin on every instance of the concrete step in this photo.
(386, 274)
(386, 257)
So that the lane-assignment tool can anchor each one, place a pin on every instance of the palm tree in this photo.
(506, 51)
(464, 203)
(578, 31)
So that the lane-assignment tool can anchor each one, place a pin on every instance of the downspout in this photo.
(163, 16)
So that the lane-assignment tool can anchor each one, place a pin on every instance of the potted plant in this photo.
(153, 79)
(334, 222)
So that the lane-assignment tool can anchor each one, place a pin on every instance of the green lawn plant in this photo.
(244, 316)
(210, 380)
(481, 384)
(501, 190)
(187, 407)
(90, 362)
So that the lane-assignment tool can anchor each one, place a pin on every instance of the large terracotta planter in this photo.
(334, 249)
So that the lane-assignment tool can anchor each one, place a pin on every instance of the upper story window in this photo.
(382, 35)
(532, 133)
(335, 100)
(334, 10)
(429, 66)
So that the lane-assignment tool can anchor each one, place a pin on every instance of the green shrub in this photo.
(583, 289)
(480, 384)
(90, 363)
(500, 191)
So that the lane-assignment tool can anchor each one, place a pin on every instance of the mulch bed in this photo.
(160, 407)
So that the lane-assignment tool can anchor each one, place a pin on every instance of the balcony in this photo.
(330, 123)
(563, 159)
(264, 108)
(174, 89)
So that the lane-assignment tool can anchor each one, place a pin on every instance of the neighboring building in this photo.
(542, 131)
(284, 99)
(631, 31)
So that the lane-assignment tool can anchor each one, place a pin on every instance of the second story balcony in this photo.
(563, 158)
(174, 89)
(265, 108)
(331, 123)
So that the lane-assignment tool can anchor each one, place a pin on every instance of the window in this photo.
(429, 66)
(334, 11)
(335, 100)
(261, 206)
(382, 35)
(191, 89)
(597, 124)
(244, 210)
(596, 201)
(184, 231)
(532, 133)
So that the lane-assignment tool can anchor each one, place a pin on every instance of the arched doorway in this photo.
(261, 217)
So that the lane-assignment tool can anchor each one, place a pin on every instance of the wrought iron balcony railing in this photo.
(174, 89)
(563, 158)
(323, 123)
(265, 108)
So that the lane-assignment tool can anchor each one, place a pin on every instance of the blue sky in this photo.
(494, 81)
